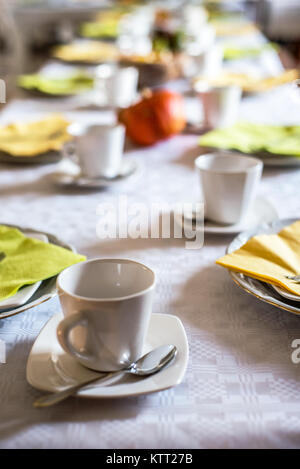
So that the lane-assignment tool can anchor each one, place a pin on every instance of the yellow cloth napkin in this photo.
(34, 138)
(248, 83)
(269, 258)
(29, 260)
(86, 51)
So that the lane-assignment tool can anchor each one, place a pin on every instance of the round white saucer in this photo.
(262, 211)
(69, 175)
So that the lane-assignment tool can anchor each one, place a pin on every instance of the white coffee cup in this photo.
(111, 301)
(116, 86)
(194, 17)
(97, 149)
(205, 63)
(228, 185)
(220, 105)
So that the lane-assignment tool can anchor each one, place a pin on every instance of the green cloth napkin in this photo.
(29, 260)
(78, 83)
(233, 52)
(249, 138)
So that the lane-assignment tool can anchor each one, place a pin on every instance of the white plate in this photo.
(25, 293)
(47, 289)
(269, 159)
(262, 212)
(69, 176)
(286, 294)
(278, 160)
(49, 368)
(262, 290)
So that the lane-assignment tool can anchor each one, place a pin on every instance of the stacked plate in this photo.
(32, 295)
(266, 292)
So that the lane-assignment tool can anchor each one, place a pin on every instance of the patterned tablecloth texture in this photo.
(241, 388)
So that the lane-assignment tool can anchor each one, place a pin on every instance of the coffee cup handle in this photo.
(64, 329)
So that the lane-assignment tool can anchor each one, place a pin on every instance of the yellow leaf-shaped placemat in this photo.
(269, 258)
(29, 260)
(34, 138)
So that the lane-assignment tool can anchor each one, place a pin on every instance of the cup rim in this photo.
(110, 260)
(257, 163)
(211, 88)
(78, 129)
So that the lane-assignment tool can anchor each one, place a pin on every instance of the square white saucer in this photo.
(262, 211)
(49, 368)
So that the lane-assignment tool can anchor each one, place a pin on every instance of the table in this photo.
(241, 388)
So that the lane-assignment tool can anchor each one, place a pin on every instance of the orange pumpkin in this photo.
(159, 115)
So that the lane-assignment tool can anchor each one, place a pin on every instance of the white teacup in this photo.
(220, 105)
(111, 301)
(228, 184)
(98, 149)
(116, 86)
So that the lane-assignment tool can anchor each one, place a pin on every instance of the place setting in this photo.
(275, 145)
(37, 141)
(123, 345)
(122, 349)
(108, 86)
(95, 159)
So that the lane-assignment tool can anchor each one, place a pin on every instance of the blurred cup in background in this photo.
(97, 149)
(207, 63)
(220, 105)
(116, 86)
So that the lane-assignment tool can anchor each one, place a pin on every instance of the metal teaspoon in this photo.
(147, 365)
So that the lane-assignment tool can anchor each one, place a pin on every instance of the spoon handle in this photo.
(56, 397)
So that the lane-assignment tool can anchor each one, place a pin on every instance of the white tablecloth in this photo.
(241, 388)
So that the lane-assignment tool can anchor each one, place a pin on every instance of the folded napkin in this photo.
(250, 138)
(269, 258)
(96, 29)
(77, 83)
(29, 260)
(233, 53)
(34, 138)
(228, 27)
(248, 83)
(86, 51)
